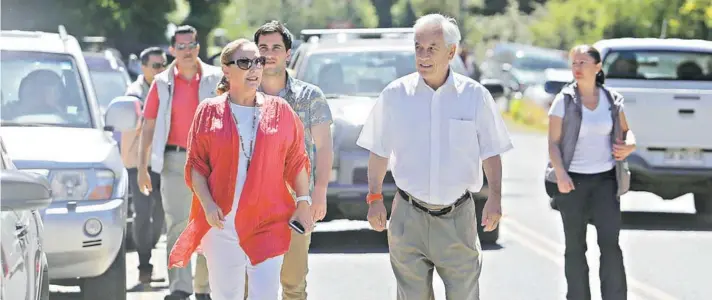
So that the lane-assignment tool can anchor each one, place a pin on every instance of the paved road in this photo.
(667, 250)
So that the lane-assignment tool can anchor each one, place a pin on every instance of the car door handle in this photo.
(686, 97)
(686, 111)
(20, 231)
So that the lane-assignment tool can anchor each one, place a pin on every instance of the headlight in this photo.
(82, 184)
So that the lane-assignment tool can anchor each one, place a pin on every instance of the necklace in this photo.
(253, 132)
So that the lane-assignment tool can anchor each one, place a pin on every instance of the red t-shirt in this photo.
(183, 105)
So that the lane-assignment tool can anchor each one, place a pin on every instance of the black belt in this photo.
(434, 213)
(175, 148)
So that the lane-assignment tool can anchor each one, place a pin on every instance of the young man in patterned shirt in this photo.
(275, 43)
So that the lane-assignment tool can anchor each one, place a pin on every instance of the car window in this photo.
(108, 85)
(658, 65)
(360, 73)
(540, 63)
(42, 88)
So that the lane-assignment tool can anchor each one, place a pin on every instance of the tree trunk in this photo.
(383, 10)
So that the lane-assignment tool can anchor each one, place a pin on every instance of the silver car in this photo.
(352, 72)
(22, 257)
(52, 125)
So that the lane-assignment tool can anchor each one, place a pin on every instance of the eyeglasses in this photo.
(246, 63)
(157, 66)
(191, 45)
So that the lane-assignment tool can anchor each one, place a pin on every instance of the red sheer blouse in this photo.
(266, 204)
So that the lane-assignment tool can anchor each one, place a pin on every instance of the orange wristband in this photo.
(373, 197)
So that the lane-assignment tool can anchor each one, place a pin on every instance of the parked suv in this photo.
(667, 85)
(52, 125)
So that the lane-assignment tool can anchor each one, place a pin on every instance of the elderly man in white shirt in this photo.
(437, 128)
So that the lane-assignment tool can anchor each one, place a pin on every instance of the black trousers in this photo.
(148, 217)
(595, 200)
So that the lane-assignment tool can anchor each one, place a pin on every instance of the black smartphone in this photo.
(297, 226)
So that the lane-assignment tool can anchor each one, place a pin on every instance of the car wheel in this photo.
(44, 284)
(112, 284)
(703, 204)
(485, 237)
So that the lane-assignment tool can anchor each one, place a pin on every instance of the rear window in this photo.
(659, 65)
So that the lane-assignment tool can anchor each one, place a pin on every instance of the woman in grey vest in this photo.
(589, 140)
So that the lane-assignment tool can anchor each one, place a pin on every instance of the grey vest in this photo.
(571, 126)
(210, 77)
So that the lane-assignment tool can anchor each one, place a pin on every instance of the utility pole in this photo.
(663, 30)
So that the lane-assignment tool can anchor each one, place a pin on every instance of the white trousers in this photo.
(228, 263)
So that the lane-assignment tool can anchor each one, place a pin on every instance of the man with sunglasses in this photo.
(171, 103)
(148, 209)
(275, 42)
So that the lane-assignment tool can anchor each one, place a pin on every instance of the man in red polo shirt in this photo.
(168, 113)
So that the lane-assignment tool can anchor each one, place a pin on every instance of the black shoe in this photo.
(177, 295)
(203, 297)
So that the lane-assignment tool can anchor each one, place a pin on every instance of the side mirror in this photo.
(506, 68)
(22, 190)
(495, 87)
(554, 87)
(123, 113)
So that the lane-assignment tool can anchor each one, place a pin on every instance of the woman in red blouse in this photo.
(245, 152)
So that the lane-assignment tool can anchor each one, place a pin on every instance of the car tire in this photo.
(44, 284)
(703, 204)
(112, 284)
(485, 237)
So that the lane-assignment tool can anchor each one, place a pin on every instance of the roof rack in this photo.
(63, 36)
(356, 33)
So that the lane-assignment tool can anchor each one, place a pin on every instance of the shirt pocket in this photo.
(462, 135)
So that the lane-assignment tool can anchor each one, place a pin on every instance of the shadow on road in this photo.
(353, 241)
(665, 221)
(358, 241)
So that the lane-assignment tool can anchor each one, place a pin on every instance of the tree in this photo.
(204, 16)
(128, 26)
(558, 27)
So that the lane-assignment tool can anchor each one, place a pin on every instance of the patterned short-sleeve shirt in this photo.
(309, 103)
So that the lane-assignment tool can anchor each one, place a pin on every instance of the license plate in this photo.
(688, 157)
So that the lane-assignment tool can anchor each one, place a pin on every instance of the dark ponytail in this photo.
(600, 78)
(223, 86)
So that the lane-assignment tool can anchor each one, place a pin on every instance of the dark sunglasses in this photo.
(191, 45)
(246, 63)
(157, 66)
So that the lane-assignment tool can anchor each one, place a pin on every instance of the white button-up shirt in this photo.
(436, 140)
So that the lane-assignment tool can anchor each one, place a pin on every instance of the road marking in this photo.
(555, 253)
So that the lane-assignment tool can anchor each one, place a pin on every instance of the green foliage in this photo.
(512, 25)
(128, 25)
(558, 27)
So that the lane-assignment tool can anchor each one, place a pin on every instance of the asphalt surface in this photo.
(667, 249)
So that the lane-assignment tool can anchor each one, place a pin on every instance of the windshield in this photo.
(540, 63)
(360, 73)
(658, 65)
(108, 85)
(41, 89)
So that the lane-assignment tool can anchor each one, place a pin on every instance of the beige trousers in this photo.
(420, 243)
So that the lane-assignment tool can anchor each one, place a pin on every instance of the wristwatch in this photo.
(304, 198)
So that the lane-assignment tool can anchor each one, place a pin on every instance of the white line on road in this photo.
(554, 252)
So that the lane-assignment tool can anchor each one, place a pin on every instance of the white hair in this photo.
(451, 32)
